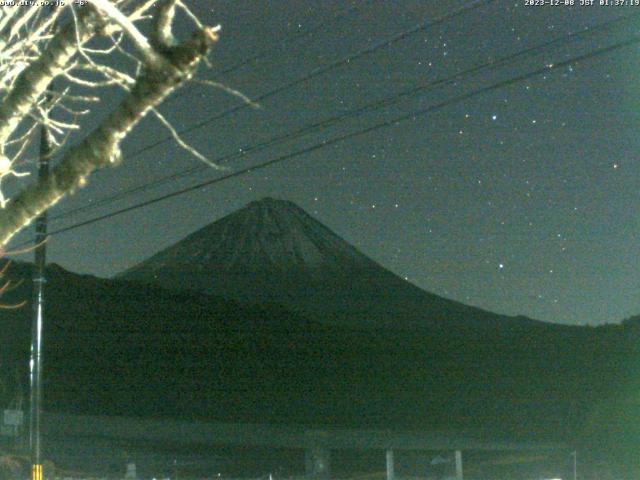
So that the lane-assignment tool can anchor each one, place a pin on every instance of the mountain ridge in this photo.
(273, 251)
(114, 347)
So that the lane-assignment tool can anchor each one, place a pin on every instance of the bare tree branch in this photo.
(139, 40)
(102, 147)
(35, 50)
(33, 81)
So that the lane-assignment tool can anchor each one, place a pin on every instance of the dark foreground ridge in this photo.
(137, 349)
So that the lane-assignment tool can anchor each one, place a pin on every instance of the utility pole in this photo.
(574, 454)
(35, 364)
(458, 457)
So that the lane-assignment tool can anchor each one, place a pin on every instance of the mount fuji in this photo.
(272, 251)
(332, 338)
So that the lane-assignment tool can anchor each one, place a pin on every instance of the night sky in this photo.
(520, 200)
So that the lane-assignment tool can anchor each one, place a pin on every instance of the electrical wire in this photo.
(387, 101)
(281, 45)
(341, 138)
(322, 70)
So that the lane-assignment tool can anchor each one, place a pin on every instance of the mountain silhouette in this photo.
(117, 347)
(272, 251)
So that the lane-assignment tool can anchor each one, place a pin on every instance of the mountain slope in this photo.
(114, 347)
(119, 348)
(273, 251)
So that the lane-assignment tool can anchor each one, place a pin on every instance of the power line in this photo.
(278, 139)
(319, 71)
(294, 38)
(316, 72)
(279, 46)
(323, 69)
(341, 138)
